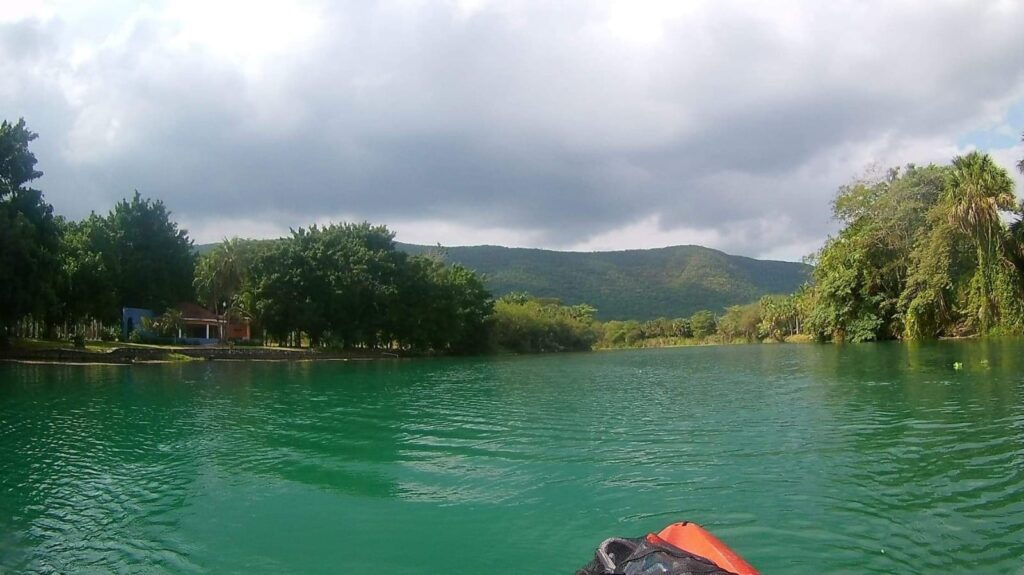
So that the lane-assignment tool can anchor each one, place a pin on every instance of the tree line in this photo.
(346, 285)
(933, 251)
(343, 285)
(770, 318)
(60, 276)
(924, 252)
(340, 285)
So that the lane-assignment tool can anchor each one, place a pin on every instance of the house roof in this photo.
(194, 311)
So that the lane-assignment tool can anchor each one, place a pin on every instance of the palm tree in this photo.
(1017, 233)
(220, 274)
(978, 190)
(169, 324)
(1020, 164)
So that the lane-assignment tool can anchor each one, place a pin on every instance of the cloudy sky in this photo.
(544, 124)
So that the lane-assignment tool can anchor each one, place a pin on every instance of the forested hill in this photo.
(634, 284)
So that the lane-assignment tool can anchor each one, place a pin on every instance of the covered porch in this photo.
(201, 326)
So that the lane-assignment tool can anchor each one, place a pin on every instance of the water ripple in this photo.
(807, 459)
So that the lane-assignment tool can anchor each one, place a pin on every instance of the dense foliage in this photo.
(347, 286)
(659, 332)
(224, 279)
(65, 274)
(525, 324)
(135, 256)
(925, 252)
(29, 237)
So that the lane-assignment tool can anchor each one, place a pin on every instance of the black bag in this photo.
(647, 556)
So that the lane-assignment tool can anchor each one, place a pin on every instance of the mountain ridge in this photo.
(670, 281)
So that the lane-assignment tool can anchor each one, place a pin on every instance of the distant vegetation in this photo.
(524, 324)
(746, 323)
(925, 252)
(632, 284)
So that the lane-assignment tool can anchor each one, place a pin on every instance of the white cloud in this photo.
(583, 125)
(245, 32)
(1008, 158)
(16, 10)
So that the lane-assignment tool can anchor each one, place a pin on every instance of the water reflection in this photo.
(940, 444)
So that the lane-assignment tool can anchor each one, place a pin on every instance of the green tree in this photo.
(780, 317)
(923, 252)
(929, 301)
(223, 273)
(459, 311)
(1020, 164)
(168, 324)
(741, 322)
(152, 260)
(347, 285)
(87, 287)
(277, 290)
(977, 191)
(703, 324)
(17, 162)
(862, 272)
(541, 325)
(29, 239)
(1017, 234)
(628, 333)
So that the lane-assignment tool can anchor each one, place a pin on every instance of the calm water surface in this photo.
(805, 459)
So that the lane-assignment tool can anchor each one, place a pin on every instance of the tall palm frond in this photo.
(1020, 164)
(978, 190)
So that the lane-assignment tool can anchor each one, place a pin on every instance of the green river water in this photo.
(803, 458)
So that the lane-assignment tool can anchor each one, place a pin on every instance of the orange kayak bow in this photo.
(679, 549)
(699, 541)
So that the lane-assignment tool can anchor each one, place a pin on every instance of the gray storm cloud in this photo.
(720, 122)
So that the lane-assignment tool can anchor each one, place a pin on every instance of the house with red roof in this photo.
(200, 326)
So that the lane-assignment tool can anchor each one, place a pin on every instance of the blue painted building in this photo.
(131, 320)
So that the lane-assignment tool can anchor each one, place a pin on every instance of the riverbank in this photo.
(667, 342)
(117, 353)
(127, 354)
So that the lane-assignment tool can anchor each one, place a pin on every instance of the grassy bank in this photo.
(50, 351)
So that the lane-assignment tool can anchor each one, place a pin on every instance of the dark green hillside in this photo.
(633, 284)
